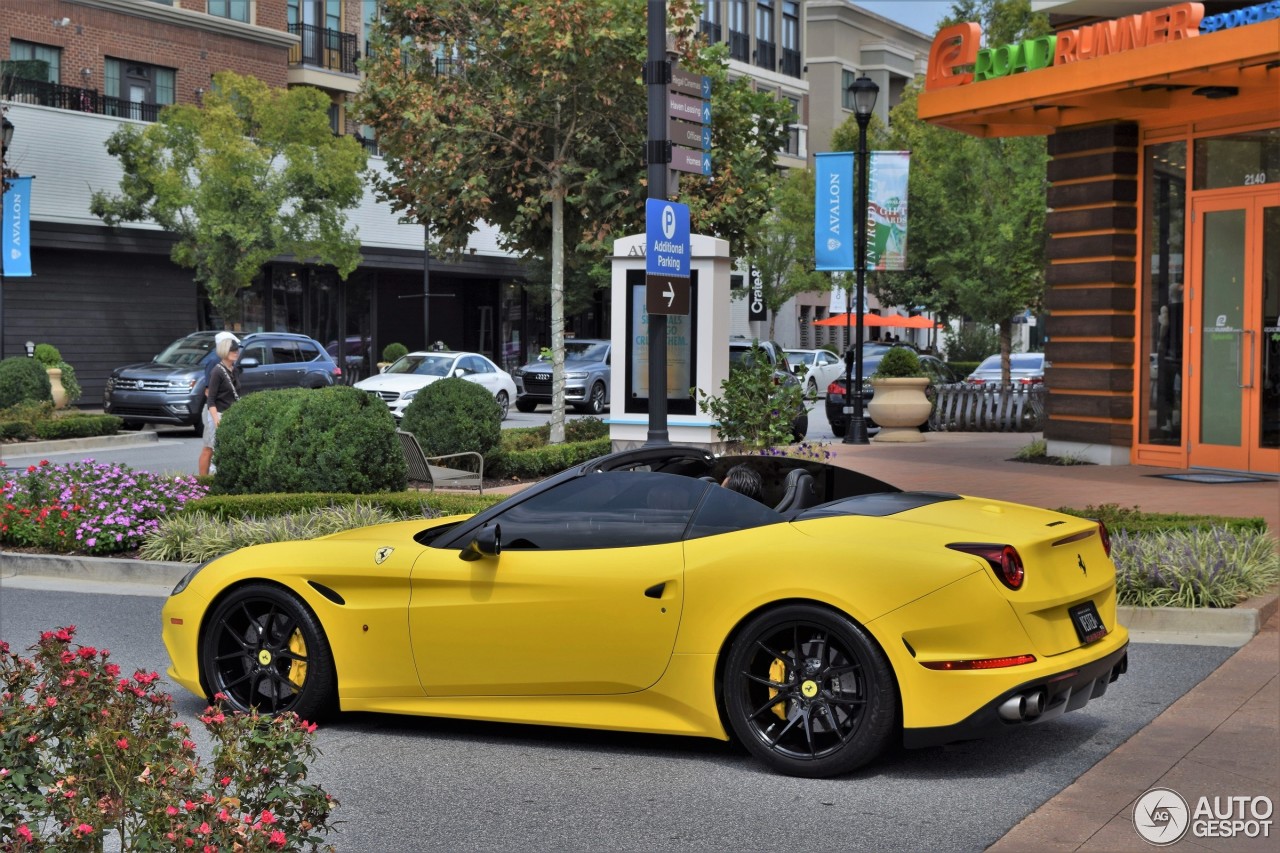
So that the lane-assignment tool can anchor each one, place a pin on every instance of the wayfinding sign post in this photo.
(666, 257)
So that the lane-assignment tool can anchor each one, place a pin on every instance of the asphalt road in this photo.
(409, 784)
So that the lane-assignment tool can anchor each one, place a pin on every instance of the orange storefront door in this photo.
(1233, 338)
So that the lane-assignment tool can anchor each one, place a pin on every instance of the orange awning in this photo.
(852, 320)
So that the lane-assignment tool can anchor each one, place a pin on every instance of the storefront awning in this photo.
(1184, 80)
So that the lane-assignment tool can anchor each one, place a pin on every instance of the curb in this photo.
(1234, 626)
(24, 449)
(101, 569)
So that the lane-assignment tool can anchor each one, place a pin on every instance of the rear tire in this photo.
(504, 403)
(132, 426)
(838, 429)
(808, 692)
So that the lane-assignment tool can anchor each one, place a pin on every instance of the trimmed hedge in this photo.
(23, 380)
(453, 415)
(963, 368)
(539, 462)
(80, 425)
(1132, 520)
(336, 439)
(404, 503)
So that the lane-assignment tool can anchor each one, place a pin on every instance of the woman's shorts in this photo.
(209, 427)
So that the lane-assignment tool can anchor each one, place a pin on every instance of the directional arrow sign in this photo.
(667, 251)
(689, 135)
(687, 83)
(689, 160)
(688, 109)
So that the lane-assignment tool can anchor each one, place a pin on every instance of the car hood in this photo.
(155, 370)
(569, 364)
(398, 382)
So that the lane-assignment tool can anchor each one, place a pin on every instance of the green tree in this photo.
(784, 255)
(254, 174)
(530, 116)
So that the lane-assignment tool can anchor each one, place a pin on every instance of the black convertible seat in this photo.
(799, 491)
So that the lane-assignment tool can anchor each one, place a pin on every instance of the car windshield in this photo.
(799, 357)
(585, 350)
(423, 364)
(185, 352)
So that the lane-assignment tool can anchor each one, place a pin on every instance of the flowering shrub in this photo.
(1203, 567)
(88, 754)
(86, 507)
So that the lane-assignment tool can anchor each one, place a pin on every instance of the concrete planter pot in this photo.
(55, 384)
(899, 407)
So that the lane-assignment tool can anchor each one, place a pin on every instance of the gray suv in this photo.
(586, 378)
(169, 389)
(741, 352)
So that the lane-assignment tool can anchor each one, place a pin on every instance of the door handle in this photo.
(656, 590)
(1241, 383)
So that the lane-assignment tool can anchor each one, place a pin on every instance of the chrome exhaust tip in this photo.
(1035, 704)
(1014, 708)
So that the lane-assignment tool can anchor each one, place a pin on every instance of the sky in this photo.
(922, 15)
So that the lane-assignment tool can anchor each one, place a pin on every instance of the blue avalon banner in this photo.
(833, 237)
(17, 228)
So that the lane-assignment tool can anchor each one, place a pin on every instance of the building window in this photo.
(32, 55)
(709, 25)
(846, 88)
(235, 10)
(135, 89)
(793, 145)
(790, 62)
(766, 47)
(739, 35)
(1164, 239)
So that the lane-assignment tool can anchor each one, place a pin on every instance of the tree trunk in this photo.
(1006, 346)
(557, 312)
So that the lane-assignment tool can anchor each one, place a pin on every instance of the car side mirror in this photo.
(247, 363)
(487, 543)
(459, 373)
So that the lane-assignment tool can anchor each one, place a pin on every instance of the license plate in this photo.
(1087, 622)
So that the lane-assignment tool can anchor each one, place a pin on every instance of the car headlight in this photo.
(409, 395)
(519, 372)
(577, 374)
(188, 577)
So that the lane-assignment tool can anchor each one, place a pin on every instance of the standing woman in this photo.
(224, 389)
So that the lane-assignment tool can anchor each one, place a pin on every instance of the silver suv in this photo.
(169, 389)
(586, 378)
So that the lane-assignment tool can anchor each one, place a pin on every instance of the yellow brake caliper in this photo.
(778, 674)
(297, 668)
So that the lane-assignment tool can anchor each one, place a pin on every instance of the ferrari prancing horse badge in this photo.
(380, 556)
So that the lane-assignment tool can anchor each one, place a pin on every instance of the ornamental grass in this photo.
(1198, 567)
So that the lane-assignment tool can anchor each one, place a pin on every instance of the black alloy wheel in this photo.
(809, 693)
(262, 648)
(504, 403)
(595, 400)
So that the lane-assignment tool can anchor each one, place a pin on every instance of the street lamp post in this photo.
(6, 137)
(864, 91)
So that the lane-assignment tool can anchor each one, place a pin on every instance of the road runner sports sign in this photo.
(956, 58)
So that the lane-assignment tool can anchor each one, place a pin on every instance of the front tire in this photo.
(595, 400)
(524, 404)
(262, 648)
(809, 693)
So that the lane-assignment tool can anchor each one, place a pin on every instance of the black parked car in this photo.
(936, 369)
(169, 389)
(740, 353)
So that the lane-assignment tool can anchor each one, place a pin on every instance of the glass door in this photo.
(1234, 337)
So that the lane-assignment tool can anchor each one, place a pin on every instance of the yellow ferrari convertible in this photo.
(817, 622)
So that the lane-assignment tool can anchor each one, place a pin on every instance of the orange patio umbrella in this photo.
(852, 320)
(922, 322)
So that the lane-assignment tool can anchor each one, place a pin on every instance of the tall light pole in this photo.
(864, 92)
(6, 137)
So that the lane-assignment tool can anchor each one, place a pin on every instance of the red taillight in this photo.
(986, 663)
(1003, 559)
(1105, 536)
(836, 388)
(337, 371)
(1032, 380)
(976, 381)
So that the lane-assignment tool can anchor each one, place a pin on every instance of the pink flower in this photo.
(24, 833)
(123, 743)
(267, 818)
(204, 828)
(171, 811)
(52, 702)
(84, 829)
(278, 839)
(225, 780)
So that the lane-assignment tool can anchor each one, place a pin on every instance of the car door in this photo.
(259, 376)
(287, 364)
(585, 597)
(479, 371)
(828, 369)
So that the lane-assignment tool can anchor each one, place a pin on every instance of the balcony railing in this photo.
(61, 97)
(739, 46)
(324, 48)
(790, 63)
(711, 30)
(766, 55)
